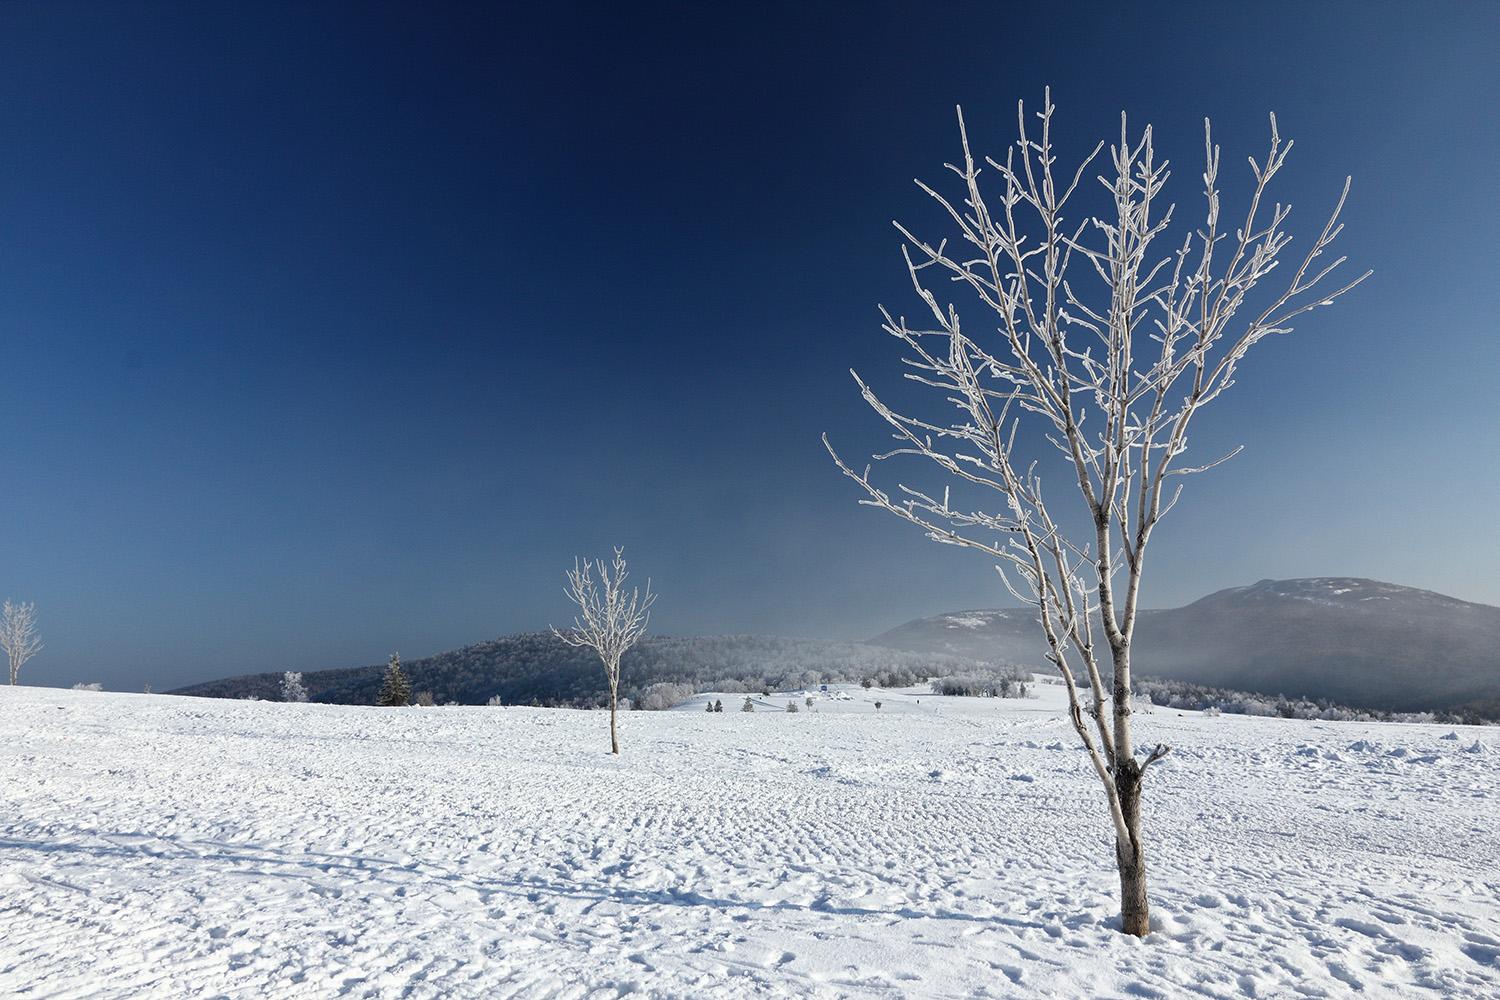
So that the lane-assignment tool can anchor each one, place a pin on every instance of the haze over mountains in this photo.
(1357, 642)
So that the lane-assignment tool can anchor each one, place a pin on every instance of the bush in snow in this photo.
(425, 699)
(396, 689)
(791, 706)
(749, 705)
(1007, 682)
(718, 705)
(291, 687)
(809, 701)
(93, 686)
(494, 701)
(662, 695)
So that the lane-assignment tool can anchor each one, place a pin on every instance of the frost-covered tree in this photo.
(395, 690)
(18, 635)
(609, 620)
(791, 706)
(1102, 342)
(748, 706)
(663, 695)
(291, 687)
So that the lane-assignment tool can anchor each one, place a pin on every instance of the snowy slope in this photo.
(175, 847)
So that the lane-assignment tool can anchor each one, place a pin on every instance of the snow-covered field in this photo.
(171, 847)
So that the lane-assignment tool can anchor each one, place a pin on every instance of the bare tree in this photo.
(609, 620)
(1105, 348)
(18, 635)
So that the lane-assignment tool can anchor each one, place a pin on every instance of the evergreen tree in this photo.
(396, 690)
(749, 705)
(718, 705)
(709, 708)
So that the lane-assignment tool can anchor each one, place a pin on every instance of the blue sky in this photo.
(330, 330)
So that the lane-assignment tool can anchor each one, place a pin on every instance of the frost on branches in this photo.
(609, 620)
(291, 687)
(1099, 344)
(18, 636)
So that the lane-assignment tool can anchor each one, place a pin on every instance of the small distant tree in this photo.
(425, 699)
(18, 635)
(718, 705)
(88, 686)
(291, 687)
(395, 690)
(495, 701)
(866, 683)
(749, 705)
(877, 706)
(791, 706)
(710, 707)
(809, 701)
(609, 621)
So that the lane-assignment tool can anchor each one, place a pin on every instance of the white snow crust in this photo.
(153, 846)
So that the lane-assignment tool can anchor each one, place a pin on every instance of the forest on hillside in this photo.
(538, 669)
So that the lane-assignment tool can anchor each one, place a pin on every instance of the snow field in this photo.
(942, 847)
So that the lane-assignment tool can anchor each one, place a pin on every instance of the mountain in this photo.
(1357, 642)
(538, 668)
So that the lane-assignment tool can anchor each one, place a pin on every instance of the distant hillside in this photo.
(538, 668)
(1358, 642)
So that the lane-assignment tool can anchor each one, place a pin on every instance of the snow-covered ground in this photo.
(172, 847)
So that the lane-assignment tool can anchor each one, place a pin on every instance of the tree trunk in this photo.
(1130, 856)
(614, 739)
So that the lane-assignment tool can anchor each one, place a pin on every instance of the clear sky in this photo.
(335, 329)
